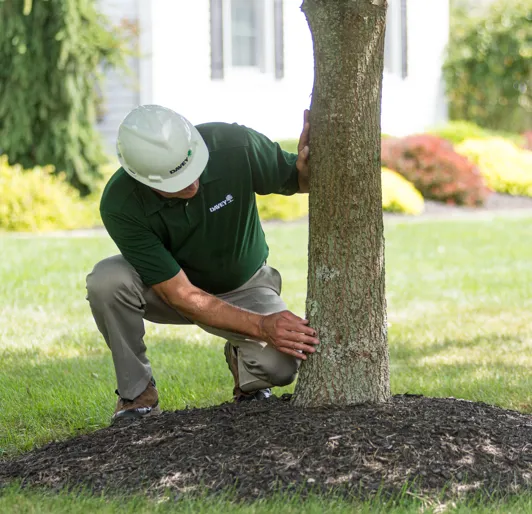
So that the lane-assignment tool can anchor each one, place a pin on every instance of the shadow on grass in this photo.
(471, 368)
(401, 347)
(45, 398)
(493, 384)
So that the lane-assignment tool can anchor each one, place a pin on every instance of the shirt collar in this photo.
(151, 200)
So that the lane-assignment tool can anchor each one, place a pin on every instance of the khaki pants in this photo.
(120, 302)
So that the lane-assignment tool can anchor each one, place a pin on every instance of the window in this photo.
(246, 30)
(247, 35)
(217, 37)
(396, 49)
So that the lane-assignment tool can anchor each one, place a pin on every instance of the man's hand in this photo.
(284, 330)
(303, 153)
(288, 333)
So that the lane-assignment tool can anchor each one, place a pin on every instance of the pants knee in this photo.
(108, 278)
(282, 370)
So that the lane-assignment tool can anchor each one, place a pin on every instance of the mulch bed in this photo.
(262, 447)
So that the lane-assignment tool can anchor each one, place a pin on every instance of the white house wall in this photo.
(175, 70)
(418, 102)
(181, 72)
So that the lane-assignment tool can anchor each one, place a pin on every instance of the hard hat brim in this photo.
(198, 163)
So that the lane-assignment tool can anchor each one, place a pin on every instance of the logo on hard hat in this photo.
(182, 165)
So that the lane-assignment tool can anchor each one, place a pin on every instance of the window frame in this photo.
(270, 56)
(228, 40)
(396, 39)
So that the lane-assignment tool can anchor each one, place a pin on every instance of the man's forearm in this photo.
(209, 310)
(289, 333)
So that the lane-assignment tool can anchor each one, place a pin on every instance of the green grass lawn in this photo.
(459, 307)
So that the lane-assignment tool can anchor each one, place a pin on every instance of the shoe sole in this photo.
(251, 397)
(134, 414)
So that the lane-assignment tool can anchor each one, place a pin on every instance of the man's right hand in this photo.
(288, 333)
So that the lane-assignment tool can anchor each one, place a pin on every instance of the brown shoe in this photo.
(231, 357)
(145, 404)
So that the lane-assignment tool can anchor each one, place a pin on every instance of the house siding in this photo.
(175, 70)
(182, 73)
(121, 91)
(417, 102)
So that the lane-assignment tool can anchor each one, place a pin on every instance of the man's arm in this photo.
(284, 330)
(303, 151)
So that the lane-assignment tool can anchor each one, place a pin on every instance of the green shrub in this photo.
(38, 200)
(488, 67)
(527, 140)
(52, 54)
(289, 145)
(92, 202)
(285, 208)
(435, 169)
(506, 168)
(399, 195)
(460, 130)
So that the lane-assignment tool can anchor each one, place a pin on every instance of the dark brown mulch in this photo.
(262, 447)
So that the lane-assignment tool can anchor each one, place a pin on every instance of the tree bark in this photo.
(346, 295)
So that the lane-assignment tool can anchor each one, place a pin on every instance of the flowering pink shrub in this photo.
(527, 136)
(436, 170)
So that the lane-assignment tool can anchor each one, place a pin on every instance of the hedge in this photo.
(39, 200)
(488, 67)
(458, 131)
(506, 167)
(433, 166)
(400, 195)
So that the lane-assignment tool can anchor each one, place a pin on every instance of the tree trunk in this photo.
(346, 298)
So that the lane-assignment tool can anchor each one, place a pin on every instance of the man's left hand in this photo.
(303, 153)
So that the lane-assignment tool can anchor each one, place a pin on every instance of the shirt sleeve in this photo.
(141, 247)
(273, 170)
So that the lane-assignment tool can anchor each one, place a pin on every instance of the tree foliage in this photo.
(488, 69)
(53, 53)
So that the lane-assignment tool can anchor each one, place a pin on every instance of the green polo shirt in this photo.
(215, 237)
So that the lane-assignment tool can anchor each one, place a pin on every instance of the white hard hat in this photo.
(161, 148)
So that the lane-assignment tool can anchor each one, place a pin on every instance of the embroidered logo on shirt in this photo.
(228, 199)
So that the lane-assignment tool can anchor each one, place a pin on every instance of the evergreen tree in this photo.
(52, 53)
